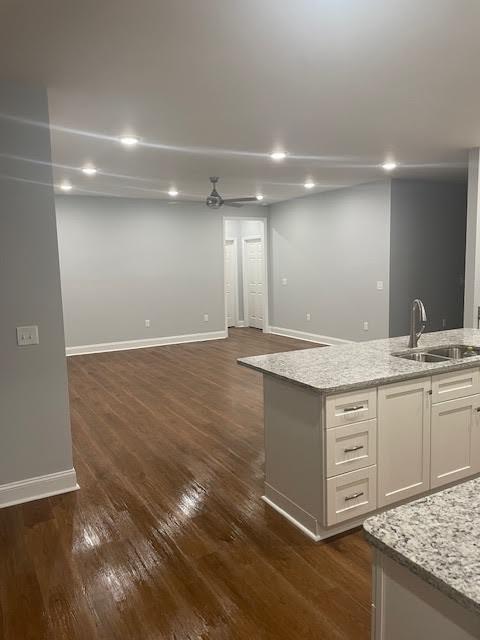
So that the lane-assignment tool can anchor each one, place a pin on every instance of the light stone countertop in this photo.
(438, 539)
(362, 364)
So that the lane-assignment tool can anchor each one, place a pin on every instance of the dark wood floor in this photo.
(168, 538)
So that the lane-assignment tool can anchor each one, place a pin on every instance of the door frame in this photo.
(236, 303)
(264, 236)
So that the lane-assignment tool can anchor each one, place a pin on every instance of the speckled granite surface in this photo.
(362, 364)
(438, 538)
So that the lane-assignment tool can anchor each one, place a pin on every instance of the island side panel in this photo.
(406, 607)
(294, 456)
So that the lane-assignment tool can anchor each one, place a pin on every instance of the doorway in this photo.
(245, 273)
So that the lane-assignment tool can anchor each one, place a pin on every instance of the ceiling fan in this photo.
(215, 200)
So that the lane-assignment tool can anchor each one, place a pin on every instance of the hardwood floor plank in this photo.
(168, 537)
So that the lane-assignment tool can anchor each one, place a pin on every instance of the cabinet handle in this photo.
(353, 496)
(355, 448)
(360, 406)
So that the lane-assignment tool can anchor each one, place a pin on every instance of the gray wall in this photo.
(34, 418)
(332, 247)
(427, 253)
(127, 260)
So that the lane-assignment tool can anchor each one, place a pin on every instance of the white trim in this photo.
(309, 337)
(310, 525)
(39, 487)
(291, 519)
(240, 324)
(145, 343)
(236, 301)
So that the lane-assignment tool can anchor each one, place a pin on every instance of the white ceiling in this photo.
(213, 86)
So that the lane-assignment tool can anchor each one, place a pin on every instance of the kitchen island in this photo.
(427, 567)
(355, 428)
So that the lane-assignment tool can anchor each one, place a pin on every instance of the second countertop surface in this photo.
(437, 538)
(358, 365)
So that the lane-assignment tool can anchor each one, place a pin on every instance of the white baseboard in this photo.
(240, 324)
(40, 487)
(309, 337)
(145, 343)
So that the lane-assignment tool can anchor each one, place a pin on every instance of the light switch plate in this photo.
(27, 336)
(284, 282)
(380, 285)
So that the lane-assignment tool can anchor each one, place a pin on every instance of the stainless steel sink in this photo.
(440, 354)
(421, 356)
(455, 351)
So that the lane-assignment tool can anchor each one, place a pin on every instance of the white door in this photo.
(230, 282)
(455, 440)
(254, 275)
(403, 440)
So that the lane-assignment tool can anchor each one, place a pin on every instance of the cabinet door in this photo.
(455, 440)
(403, 452)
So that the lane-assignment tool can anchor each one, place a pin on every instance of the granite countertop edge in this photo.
(371, 382)
(359, 365)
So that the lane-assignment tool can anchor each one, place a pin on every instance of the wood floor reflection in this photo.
(168, 538)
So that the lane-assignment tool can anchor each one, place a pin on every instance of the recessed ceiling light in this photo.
(89, 170)
(309, 184)
(173, 193)
(259, 196)
(66, 186)
(389, 166)
(129, 141)
(278, 155)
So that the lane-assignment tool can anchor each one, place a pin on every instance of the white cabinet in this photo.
(353, 406)
(448, 386)
(351, 447)
(403, 451)
(455, 440)
(351, 494)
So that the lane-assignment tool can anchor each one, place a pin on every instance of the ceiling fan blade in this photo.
(228, 200)
(233, 204)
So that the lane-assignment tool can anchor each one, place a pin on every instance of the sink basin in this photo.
(421, 356)
(440, 354)
(455, 351)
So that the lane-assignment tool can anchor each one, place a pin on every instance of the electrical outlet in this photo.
(147, 324)
(308, 316)
(284, 282)
(27, 336)
(365, 326)
(205, 317)
(380, 285)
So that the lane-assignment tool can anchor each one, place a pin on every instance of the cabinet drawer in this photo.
(353, 406)
(351, 494)
(459, 384)
(351, 447)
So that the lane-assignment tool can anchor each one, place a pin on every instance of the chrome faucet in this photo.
(414, 334)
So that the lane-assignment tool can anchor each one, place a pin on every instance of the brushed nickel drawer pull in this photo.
(355, 448)
(360, 406)
(353, 496)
